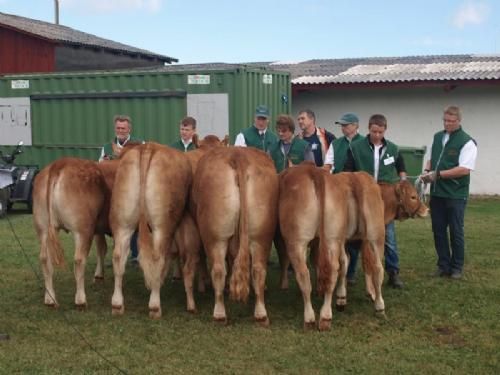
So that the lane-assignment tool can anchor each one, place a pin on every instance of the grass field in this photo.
(433, 326)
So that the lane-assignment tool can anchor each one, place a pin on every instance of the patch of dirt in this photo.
(449, 336)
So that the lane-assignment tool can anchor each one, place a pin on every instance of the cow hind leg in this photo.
(188, 272)
(218, 272)
(284, 261)
(120, 254)
(341, 291)
(101, 247)
(376, 250)
(297, 254)
(83, 241)
(48, 273)
(259, 271)
(325, 316)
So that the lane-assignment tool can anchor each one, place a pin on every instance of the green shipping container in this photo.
(71, 114)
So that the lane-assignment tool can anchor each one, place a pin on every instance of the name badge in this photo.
(314, 146)
(389, 160)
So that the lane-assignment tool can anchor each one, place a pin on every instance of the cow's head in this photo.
(409, 203)
(211, 141)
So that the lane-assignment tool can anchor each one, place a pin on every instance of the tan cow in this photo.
(334, 208)
(70, 194)
(234, 196)
(401, 202)
(150, 191)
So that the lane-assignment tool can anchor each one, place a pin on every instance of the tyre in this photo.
(4, 201)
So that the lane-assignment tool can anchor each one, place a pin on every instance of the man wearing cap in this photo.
(381, 158)
(319, 138)
(334, 162)
(258, 135)
(337, 152)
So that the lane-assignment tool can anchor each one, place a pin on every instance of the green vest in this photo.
(108, 147)
(340, 147)
(363, 159)
(295, 154)
(443, 158)
(178, 145)
(253, 138)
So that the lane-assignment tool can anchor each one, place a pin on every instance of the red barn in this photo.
(28, 45)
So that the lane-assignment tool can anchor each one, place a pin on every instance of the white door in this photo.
(211, 112)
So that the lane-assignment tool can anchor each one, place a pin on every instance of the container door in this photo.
(211, 112)
(15, 121)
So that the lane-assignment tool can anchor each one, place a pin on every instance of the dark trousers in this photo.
(134, 249)
(447, 213)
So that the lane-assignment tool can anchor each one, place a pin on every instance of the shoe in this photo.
(456, 275)
(439, 273)
(134, 261)
(395, 281)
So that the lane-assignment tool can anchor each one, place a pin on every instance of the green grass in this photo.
(433, 326)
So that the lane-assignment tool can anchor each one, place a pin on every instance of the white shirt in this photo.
(467, 157)
(240, 139)
(376, 159)
(186, 144)
(329, 157)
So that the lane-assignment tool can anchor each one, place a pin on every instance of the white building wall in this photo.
(414, 115)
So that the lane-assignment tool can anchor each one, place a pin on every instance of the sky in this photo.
(233, 31)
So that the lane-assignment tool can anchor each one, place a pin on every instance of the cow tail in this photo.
(239, 287)
(53, 244)
(145, 240)
(324, 266)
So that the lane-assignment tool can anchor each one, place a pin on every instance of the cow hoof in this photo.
(98, 279)
(117, 310)
(155, 313)
(263, 321)
(309, 326)
(381, 314)
(325, 325)
(52, 305)
(221, 320)
(81, 306)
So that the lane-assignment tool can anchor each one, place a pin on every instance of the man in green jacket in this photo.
(123, 128)
(187, 130)
(381, 158)
(290, 149)
(453, 156)
(258, 135)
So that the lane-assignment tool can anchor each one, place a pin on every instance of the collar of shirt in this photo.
(186, 144)
(122, 144)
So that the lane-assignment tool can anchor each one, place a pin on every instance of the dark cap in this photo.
(348, 118)
(262, 111)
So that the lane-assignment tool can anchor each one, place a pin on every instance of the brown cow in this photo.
(150, 191)
(234, 196)
(313, 203)
(69, 194)
(401, 202)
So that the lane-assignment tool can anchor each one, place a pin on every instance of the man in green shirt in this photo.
(289, 149)
(453, 156)
(123, 128)
(381, 158)
(187, 130)
(258, 135)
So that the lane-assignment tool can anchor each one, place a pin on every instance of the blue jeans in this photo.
(134, 249)
(390, 253)
(352, 248)
(448, 213)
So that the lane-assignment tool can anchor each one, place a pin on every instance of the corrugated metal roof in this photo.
(393, 69)
(67, 35)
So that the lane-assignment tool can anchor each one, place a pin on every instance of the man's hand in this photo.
(430, 176)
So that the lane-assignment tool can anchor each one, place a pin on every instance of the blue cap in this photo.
(348, 118)
(262, 111)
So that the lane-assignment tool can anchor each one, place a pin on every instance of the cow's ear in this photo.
(196, 140)
(225, 141)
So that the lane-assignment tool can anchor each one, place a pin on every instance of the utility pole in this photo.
(56, 6)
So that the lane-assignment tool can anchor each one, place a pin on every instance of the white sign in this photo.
(199, 79)
(267, 79)
(20, 84)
